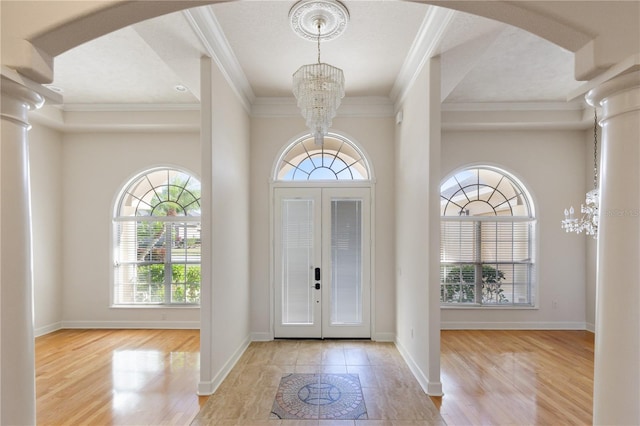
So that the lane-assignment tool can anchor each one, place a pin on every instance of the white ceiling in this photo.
(482, 60)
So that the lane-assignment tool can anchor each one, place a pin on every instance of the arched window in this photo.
(336, 159)
(156, 228)
(487, 239)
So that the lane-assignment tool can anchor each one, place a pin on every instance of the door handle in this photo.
(317, 274)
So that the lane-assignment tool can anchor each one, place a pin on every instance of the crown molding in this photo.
(516, 116)
(366, 106)
(126, 118)
(576, 105)
(425, 45)
(207, 28)
(129, 107)
(575, 115)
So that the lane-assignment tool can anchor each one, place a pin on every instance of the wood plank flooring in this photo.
(133, 377)
(117, 377)
(516, 377)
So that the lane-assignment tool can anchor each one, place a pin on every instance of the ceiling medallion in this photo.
(305, 15)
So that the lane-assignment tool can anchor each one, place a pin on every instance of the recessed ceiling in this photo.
(482, 60)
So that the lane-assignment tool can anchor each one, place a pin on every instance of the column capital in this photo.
(18, 100)
(617, 96)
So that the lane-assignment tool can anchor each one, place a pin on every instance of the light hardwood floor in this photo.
(516, 377)
(117, 377)
(134, 377)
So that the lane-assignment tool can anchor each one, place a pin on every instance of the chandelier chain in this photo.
(319, 34)
(595, 148)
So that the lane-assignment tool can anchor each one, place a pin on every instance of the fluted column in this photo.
(17, 372)
(617, 345)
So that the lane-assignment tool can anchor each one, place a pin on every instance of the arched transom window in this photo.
(157, 240)
(336, 159)
(487, 239)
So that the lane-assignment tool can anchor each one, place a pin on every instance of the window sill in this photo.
(155, 307)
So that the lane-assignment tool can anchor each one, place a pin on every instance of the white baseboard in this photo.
(591, 327)
(560, 325)
(384, 337)
(191, 325)
(429, 387)
(41, 331)
(261, 336)
(208, 387)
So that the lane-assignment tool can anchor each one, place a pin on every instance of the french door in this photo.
(322, 262)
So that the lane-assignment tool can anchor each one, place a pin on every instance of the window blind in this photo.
(486, 261)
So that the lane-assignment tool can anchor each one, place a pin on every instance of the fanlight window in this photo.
(336, 159)
(487, 236)
(483, 192)
(157, 240)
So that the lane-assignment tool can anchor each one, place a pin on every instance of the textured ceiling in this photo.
(482, 60)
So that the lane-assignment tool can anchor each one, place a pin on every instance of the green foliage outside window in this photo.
(185, 283)
(460, 285)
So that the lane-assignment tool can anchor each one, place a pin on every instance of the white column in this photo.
(617, 345)
(17, 357)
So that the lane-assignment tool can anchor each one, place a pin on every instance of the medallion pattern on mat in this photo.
(319, 396)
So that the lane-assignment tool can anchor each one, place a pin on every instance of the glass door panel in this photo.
(297, 254)
(346, 262)
(346, 256)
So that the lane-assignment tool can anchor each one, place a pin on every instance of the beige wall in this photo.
(96, 167)
(79, 198)
(550, 164)
(229, 331)
(46, 164)
(268, 137)
(417, 159)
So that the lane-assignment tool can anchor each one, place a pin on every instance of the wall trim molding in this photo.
(384, 337)
(208, 30)
(528, 325)
(363, 106)
(261, 336)
(429, 387)
(186, 117)
(425, 45)
(174, 325)
(208, 387)
(46, 329)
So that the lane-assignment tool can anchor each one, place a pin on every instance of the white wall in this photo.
(45, 166)
(417, 164)
(550, 164)
(96, 167)
(268, 136)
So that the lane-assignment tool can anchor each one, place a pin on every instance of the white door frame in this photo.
(321, 184)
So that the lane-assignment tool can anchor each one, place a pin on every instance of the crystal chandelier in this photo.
(319, 87)
(588, 222)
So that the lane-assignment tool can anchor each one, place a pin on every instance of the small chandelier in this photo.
(319, 87)
(588, 222)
